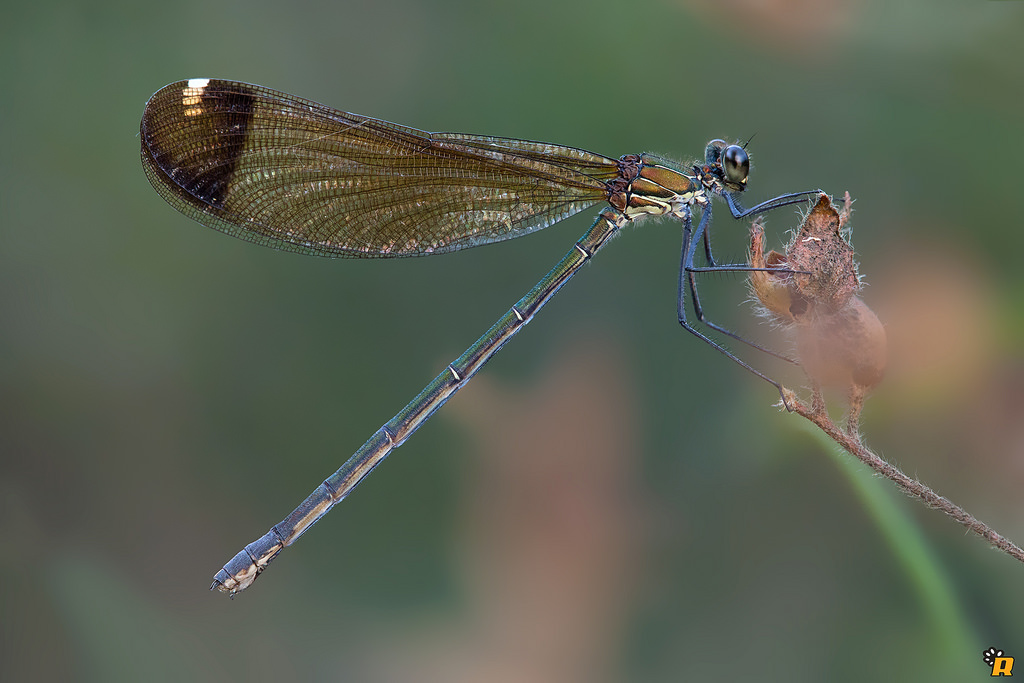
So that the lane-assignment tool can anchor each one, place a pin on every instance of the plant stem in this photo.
(849, 441)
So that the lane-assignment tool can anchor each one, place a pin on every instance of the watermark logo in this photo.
(1000, 663)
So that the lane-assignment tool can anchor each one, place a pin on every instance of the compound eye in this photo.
(736, 163)
(713, 152)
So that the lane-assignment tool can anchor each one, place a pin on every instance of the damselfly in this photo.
(293, 174)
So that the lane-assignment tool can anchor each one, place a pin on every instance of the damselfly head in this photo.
(729, 163)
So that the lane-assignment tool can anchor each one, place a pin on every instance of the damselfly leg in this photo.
(688, 272)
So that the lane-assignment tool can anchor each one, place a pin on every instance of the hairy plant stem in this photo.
(849, 440)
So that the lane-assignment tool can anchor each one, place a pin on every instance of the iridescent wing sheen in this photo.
(296, 175)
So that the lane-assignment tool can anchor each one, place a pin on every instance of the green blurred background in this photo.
(609, 500)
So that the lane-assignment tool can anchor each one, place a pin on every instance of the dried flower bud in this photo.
(844, 348)
(774, 290)
(840, 340)
(828, 274)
